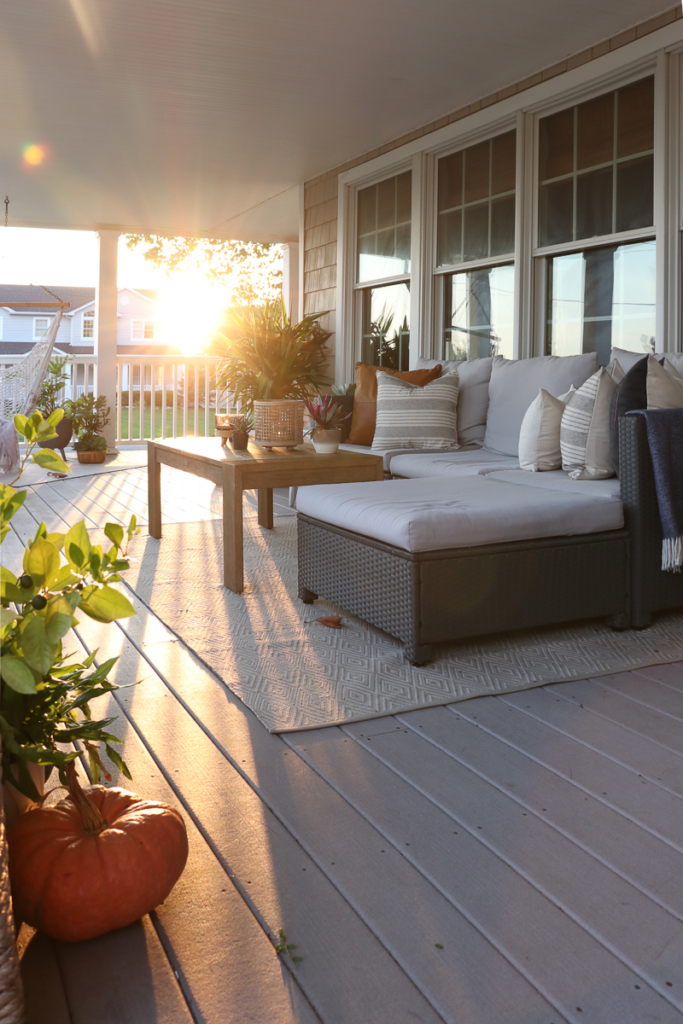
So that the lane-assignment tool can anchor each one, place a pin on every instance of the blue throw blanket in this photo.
(665, 438)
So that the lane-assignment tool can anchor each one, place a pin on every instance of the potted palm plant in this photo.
(89, 416)
(49, 400)
(270, 366)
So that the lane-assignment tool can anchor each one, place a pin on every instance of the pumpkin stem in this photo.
(93, 822)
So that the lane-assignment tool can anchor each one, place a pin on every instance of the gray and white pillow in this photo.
(410, 416)
(584, 431)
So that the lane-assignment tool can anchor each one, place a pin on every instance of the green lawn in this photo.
(147, 423)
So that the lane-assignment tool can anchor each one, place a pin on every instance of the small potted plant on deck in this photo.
(89, 416)
(327, 416)
(240, 423)
(52, 387)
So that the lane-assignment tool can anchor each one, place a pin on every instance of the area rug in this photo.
(295, 673)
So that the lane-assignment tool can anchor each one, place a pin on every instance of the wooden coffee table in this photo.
(254, 469)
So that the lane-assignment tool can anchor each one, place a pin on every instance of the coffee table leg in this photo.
(153, 491)
(265, 507)
(233, 575)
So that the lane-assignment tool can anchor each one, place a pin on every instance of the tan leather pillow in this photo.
(365, 399)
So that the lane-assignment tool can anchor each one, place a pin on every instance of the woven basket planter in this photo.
(91, 458)
(279, 424)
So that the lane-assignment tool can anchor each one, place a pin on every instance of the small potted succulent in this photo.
(89, 416)
(241, 424)
(49, 400)
(327, 416)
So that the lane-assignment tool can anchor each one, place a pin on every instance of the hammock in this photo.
(20, 387)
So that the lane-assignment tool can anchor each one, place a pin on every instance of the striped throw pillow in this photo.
(410, 416)
(584, 431)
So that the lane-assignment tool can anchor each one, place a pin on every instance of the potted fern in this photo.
(270, 366)
(89, 416)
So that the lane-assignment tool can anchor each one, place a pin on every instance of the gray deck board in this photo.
(563, 887)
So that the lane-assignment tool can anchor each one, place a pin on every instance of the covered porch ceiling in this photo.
(202, 117)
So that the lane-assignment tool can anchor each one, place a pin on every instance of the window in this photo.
(596, 166)
(386, 326)
(479, 313)
(1, 323)
(383, 229)
(142, 330)
(601, 298)
(476, 202)
(89, 324)
(40, 326)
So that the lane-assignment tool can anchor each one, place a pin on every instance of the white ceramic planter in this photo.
(326, 442)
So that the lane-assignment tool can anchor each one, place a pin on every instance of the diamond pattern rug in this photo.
(295, 673)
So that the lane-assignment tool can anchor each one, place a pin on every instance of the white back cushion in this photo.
(473, 397)
(514, 385)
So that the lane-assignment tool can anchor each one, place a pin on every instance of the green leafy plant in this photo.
(89, 416)
(45, 696)
(284, 948)
(272, 358)
(240, 422)
(53, 385)
(343, 389)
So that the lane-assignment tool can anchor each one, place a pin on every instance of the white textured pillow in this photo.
(473, 396)
(664, 385)
(584, 431)
(410, 416)
(539, 437)
(514, 385)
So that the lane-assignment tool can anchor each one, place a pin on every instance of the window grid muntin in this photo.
(395, 227)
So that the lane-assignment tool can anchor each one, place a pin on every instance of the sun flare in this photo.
(191, 309)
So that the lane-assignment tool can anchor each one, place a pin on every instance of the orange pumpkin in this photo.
(95, 861)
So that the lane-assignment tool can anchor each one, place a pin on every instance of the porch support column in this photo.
(290, 280)
(106, 309)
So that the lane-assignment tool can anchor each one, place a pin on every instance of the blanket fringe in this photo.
(672, 554)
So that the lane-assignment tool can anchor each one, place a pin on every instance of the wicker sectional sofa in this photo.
(464, 543)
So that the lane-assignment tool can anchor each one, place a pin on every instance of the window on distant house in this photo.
(476, 226)
(143, 330)
(1, 323)
(596, 178)
(383, 236)
(40, 326)
(89, 323)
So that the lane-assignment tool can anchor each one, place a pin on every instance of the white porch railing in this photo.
(156, 396)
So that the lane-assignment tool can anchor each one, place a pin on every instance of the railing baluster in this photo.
(118, 401)
(195, 425)
(186, 397)
(163, 400)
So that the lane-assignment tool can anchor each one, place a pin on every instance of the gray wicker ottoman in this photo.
(429, 596)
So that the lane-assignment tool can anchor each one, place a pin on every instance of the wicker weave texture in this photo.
(448, 595)
(652, 589)
(279, 424)
(11, 995)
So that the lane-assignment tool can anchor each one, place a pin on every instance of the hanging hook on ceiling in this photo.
(6, 210)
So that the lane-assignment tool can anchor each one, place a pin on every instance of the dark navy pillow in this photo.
(631, 393)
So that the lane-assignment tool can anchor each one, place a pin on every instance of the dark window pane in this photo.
(403, 197)
(386, 326)
(556, 144)
(594, 203)
(636, 117)
(503, 158)
(366, 209)
(635, 194)
(450, 181)
(450, 238)
(477, 172)
(403, 242)
(476, 232)
(595, 132)
(556, 213)
(502, 226)
(386, 203)
(597, 302)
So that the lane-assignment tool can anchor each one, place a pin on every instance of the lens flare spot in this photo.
(34, 155)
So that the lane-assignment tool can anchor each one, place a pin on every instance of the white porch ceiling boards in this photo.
(203, 116)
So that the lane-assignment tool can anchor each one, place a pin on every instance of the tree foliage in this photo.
(254, 266)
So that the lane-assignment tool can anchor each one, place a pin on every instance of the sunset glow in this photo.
(34, 155)
(191, 309)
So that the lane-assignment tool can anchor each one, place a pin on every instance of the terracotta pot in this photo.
(64, 431)
(88, 458)
(239, 441)
(326, 442)
(15, 802)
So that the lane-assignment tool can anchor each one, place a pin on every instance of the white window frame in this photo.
(2, 320)
(90, 316)
(144, 323)
(40, 319)
(661, 53)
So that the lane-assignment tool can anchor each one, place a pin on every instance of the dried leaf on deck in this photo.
(332, 621)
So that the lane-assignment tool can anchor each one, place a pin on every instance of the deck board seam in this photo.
(562, 906)
(613, 807)
(646, 704)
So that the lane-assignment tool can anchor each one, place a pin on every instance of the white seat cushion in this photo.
(468, 512)
(558, 480)
(469, 463)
